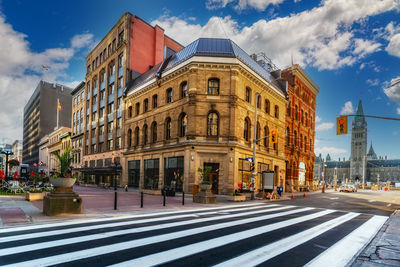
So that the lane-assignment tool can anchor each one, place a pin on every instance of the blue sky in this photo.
(350, 48)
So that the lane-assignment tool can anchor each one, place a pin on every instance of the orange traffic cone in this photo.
(269, 195)
(292, 196)
(304, 195)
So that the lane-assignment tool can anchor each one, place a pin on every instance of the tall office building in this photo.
(40, 116)
(130, 48)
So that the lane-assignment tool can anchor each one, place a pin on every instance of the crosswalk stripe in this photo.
(135, 216)
(101, 250)
(343, 251)
(269, 251)
(102, 226)
(66, 241)
(180, 252)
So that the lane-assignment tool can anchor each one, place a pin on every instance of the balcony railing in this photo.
(110, 98)
(110, 117)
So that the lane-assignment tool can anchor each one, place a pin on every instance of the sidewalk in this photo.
(96, 203)
(384, 249)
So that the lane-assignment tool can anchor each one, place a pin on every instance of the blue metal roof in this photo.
(203, 47)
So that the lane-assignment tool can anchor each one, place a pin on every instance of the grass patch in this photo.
(3, 192)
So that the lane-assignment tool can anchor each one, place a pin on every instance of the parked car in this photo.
(348, 188)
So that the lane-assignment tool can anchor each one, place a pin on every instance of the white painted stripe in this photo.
(343, 251)
(269, 251)
(41, 226)
(67, 241)
(117, 224)
(81, 254)
(176, 253)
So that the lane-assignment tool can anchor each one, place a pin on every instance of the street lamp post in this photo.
(335, 177)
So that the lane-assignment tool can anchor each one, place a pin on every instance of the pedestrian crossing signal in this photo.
(341, 125)
(273, 137)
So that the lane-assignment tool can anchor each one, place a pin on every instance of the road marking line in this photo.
(371, 200)
(180, 252)
(101, 226)
(96, 251)
(40, 226)
(72, 240)
(269, 251)
(343, 251)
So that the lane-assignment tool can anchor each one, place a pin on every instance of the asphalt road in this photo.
(368, 202)
(287, 233)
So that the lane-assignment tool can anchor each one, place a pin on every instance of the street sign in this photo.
(249, 160)
(341, 125)
(273, 137)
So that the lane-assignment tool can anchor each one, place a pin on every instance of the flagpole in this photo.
(58, 110)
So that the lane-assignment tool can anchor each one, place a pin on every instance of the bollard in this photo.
(115, 200)
(183, 198)
(164, 198)
(141, 199)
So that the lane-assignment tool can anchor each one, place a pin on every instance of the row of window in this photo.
(267, 103)
(247, 133)
(301, 116)
(79, 98)
(100, 148)
(297, 141)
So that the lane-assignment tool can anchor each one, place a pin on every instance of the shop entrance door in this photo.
(213, 176)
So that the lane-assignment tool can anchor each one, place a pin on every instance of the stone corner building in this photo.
(196, 109)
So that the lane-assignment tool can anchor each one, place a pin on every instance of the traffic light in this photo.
(273, 137)
(341, 125)
(251, 166)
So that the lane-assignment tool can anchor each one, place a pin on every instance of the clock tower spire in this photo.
(358, 143)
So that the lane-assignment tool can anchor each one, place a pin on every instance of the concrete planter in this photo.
(205, 187)
(35, 196)
(62, 182)
(236, 198)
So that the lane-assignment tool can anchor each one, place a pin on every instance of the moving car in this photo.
(348, 188)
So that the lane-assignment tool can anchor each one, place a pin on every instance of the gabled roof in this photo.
(211, 47)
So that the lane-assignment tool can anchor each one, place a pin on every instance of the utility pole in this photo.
(363, 178)
(335, 177)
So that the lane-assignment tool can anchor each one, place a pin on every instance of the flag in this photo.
(44, 67)
(58, 104)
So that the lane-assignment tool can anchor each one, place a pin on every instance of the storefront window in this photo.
(173, 172)
(262, 167)
(151, 173)
(134, 173)
(244, 175)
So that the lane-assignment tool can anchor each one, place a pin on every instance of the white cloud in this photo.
(259, 5)
(394, 46)
(21, 70)
(331, 150)
(318, 119)
(347, 108)
(398, 111)
(82, 40)
(321, 37)
(324, 126)
(393, 91)
(373, 82)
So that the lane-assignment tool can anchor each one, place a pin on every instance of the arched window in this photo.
(258, 133)
(247, 125)
(267, 106)
(301, 116)
(137, 109)
(213, 86)
(296, 115)
(287, 136)
(266, 139)
(301, 141)
(248, 94)
(169, 95)
(145, 134)
(276, 112)
(288, 109)
(258, 101)
(295, 138)
(130, 112)
(129, 137)
(168, 129)
(136, 136)
(183, 88)
(154, 132)
(212, 124)
(311, 122)
(183, 124)
(306, 119)
(305, 143)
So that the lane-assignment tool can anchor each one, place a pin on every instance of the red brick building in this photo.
(300, 129)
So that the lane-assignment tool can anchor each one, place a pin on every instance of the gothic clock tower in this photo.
(358, 144)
